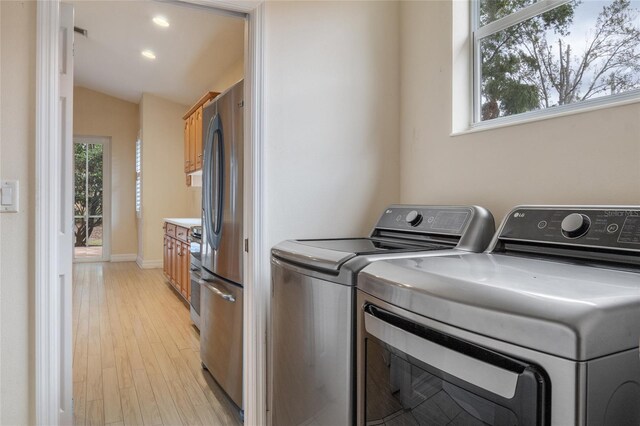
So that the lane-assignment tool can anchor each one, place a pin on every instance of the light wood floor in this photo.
(136, 355)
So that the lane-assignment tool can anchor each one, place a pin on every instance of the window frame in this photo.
(477, 33)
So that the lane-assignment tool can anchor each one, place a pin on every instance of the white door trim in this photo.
(105, 141)
(257, 285)
(49, 305)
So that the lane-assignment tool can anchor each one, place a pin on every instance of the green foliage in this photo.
(88, 175)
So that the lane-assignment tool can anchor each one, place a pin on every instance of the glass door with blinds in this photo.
(91, 193)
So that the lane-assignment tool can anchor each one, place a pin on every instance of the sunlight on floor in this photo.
(82, 252)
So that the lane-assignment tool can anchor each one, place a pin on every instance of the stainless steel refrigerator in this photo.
(222, 241)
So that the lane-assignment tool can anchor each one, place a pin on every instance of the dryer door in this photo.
(420, 376)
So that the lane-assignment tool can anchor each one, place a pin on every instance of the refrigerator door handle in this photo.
(220, 180)
(214, 150)
(225, 296)
(206, 185)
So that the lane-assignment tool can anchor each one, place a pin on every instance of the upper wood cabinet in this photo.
(193, 131)
(193, 128)
(187, 146)
(199, 147)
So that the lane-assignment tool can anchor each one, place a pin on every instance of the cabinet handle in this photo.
(200, 155)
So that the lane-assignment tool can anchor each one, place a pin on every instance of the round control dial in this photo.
(414, 218)
(575, 225)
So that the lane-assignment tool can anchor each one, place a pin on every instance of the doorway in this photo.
(91, 204)
(54, 252)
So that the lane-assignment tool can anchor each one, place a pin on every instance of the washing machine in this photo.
(312, 341)
(542, 329)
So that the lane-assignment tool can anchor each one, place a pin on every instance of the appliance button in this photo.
(542, 224)
(575, 225)
(414, 218)
(613, 228)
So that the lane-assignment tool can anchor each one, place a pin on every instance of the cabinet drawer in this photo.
(170, 230)
(182, 233)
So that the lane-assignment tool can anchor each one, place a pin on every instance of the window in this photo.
(545, 56)
(139, 178)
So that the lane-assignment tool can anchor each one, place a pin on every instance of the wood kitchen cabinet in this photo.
(166, 256)
(193, 140)
(193, 130)
(185, 283)
(187, 146)
(176, 259)
(198, 144)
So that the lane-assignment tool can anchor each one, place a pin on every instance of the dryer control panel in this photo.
(426, 219)
(469, 228)
(612, 228)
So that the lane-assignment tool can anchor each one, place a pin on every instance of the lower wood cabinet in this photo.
(176, 259)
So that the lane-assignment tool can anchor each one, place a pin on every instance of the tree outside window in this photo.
(88, 181)
(570, 52)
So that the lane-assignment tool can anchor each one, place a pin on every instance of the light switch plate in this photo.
(9, 196)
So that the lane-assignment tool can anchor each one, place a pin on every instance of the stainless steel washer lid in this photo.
(573, 311)
(311, 256)
(331, 254)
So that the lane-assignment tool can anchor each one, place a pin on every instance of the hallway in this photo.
(136, 354)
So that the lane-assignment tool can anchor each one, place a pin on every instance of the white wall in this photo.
(97, 114)
(589, 158)
(17, 161)
(332, 116)
(164, 189)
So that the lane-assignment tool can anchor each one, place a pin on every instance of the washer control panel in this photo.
(601, 227)
(426, 219)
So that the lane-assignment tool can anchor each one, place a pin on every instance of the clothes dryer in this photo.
(542, 329)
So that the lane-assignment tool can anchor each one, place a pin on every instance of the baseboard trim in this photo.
(132, 257)
(148, 264)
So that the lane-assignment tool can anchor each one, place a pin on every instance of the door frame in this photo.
(105, 141)
(50, 387)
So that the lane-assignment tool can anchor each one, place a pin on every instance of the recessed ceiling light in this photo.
(148, 54)
(161, 21)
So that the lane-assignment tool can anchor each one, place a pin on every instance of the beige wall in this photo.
(97, 114)
(227, 79)
(17, 161)
(164, 190)
(591, 158)
(332, 116)
(194, 202)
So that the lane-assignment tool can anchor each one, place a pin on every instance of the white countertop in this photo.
(185, 222)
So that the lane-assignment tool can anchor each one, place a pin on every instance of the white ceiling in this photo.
(191, 54)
